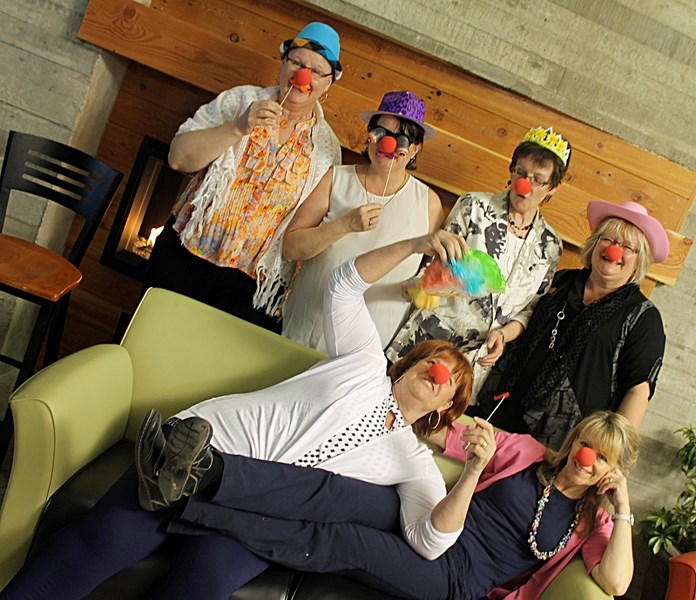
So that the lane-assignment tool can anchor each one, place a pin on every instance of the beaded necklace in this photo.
(519, 230)
(537, 519)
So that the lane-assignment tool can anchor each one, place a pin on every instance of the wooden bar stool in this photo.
(47, 170)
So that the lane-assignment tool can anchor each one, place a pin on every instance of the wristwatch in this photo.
(619, 517)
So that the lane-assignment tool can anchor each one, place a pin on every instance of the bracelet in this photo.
(619, 517)
(502, 335)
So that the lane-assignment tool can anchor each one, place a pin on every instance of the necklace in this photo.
(537, 519)
(560, 315)
(367, 198)
(519, 231)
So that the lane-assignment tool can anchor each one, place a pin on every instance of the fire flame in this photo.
(154, 232)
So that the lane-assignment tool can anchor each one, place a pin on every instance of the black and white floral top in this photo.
(481, 219)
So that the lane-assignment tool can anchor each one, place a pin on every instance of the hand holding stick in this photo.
(500, 398)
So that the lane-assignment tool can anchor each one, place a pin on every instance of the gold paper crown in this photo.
(550, 140)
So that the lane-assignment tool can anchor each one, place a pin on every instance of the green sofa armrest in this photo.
(65, 416)
(574, 582)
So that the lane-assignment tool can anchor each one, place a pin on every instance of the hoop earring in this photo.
(430, 418)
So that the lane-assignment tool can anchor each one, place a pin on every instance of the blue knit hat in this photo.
(322, 39)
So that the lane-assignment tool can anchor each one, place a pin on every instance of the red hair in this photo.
(462, 372)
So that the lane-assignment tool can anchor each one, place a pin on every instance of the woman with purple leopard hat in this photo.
(358, 207)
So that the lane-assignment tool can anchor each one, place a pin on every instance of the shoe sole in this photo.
(184, 448)
(145, 480)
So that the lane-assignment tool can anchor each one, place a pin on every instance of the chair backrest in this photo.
(62, 174)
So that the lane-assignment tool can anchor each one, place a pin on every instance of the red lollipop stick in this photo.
(522, 186)
(500, 398)
(586, 457)
(613, 253)
(439, 373)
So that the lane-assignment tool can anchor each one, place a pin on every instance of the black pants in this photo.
(173, 267)
(117, 533)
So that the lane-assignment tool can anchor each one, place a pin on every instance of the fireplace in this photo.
(146, 204)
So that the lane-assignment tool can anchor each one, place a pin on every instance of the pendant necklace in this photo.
(537, 519)
(560, 315)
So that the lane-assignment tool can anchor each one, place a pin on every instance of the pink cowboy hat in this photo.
(636, 214)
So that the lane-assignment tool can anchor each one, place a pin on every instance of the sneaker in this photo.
(185, 458)
(148, 455)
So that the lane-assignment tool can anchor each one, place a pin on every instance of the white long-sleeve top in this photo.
(283, 422)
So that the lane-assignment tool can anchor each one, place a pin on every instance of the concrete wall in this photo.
(58, 87)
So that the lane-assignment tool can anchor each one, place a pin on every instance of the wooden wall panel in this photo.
(217, 44)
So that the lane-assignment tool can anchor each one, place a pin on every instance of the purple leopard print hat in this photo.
(402, 104)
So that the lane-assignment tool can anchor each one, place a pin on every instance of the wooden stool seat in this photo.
(35, 270)
(50, 172)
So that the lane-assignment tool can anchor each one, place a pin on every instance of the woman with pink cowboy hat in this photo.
(594, 341)
(355, 208)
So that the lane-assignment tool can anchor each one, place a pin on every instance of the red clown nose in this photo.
(522, 186)
(613, 253)
(387, 145)
(301, 77)
(439, 373)
(586, 457)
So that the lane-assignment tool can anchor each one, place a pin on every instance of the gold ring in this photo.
(371, 221)
(484, 444)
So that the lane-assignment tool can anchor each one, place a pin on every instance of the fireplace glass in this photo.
(149, 195)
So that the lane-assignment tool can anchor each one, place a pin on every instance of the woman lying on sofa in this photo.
(345, 415)
(528, 511)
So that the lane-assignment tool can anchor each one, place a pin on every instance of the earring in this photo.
(323, 97)
(547, 197)
(430, 419)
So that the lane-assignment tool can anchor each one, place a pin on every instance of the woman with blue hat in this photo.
(255, 155)
(358, 207)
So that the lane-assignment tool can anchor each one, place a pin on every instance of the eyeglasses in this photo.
(628, 250)
(316, 74)
(535, 181)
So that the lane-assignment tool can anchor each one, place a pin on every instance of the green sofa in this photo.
(76, 421)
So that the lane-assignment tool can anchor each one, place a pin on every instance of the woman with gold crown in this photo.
(508, 227)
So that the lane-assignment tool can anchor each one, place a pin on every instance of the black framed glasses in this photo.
(297, 65)
(534, 179)
(628, 250)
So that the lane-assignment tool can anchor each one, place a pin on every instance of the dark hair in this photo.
(463, 374)
(409, 128)
(540, 156)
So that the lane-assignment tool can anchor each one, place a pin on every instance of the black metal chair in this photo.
(47, 170)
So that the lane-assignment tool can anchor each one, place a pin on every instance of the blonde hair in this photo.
(627, 231)
(611, 435)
